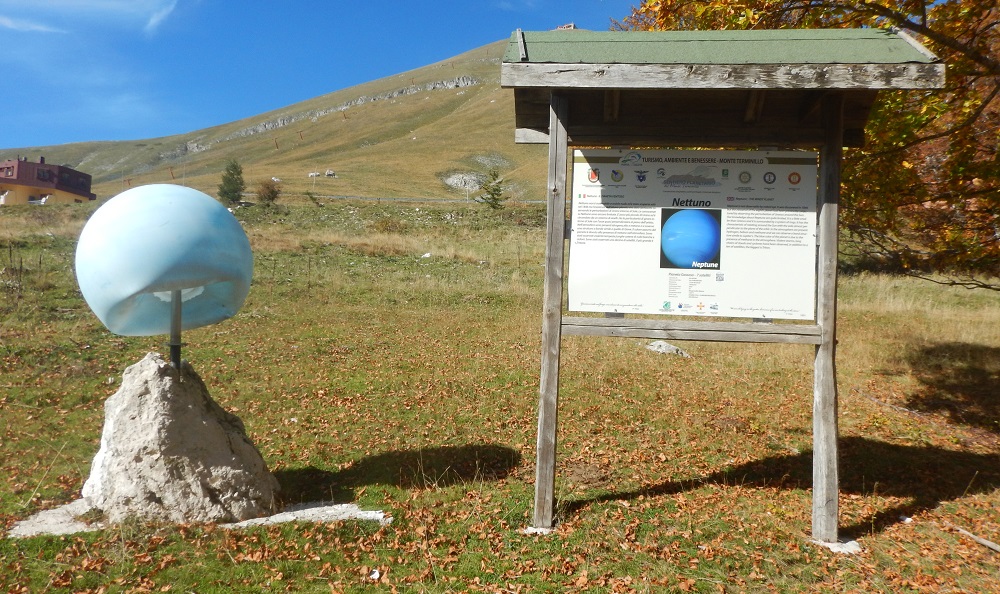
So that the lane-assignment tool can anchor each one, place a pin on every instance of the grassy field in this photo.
(366, 372)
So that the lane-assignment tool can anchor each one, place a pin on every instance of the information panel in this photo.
(694, 233)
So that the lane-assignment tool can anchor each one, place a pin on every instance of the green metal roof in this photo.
(777, 46)
(730, 87)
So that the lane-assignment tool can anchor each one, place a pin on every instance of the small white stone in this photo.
(660, 346)
(532, 531)
(850, 547)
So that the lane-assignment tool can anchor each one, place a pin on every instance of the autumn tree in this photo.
(267, 191)
(923, 195)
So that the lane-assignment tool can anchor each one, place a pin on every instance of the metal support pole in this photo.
(175, 329)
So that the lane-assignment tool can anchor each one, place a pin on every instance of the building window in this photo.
(44, 175)
(8, 171)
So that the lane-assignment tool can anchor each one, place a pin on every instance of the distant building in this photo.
(24, 182)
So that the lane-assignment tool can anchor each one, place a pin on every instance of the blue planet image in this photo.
(690, 236)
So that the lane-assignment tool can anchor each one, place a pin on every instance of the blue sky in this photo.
(81, 70)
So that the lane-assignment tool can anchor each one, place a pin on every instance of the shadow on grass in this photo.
(960, 380)
(926, 476)
(428, 467)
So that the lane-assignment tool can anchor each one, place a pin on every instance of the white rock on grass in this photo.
(169, 452)
(659, 346)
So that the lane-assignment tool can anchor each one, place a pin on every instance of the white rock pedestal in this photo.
(171, 453)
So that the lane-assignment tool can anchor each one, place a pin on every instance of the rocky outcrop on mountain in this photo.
(282, 121)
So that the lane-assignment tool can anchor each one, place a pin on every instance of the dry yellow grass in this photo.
(368, 373)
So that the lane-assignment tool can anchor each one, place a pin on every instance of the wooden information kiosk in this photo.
(778, 89)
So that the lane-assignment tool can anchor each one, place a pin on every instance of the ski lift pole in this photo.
(175, 329)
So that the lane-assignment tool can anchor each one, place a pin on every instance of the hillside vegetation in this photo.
(400, 136)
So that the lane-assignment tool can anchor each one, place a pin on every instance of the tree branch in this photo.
(966, 123)
(935, 35)
(903, 21)
(978, 540)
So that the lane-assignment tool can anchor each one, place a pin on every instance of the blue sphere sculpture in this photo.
(690, 236)
(149, 246)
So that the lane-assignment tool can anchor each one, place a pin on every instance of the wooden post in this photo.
(825, 477)
(545, 465)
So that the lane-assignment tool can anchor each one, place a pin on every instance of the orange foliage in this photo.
(924, 194)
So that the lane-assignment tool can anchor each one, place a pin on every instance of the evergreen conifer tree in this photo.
(232, 186)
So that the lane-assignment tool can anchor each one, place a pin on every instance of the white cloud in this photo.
(160, 15)
(26, 26)
(147, 14)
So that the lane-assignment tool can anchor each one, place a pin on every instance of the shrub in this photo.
(268, 191)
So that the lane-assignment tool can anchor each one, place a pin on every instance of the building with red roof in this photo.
(25, 182)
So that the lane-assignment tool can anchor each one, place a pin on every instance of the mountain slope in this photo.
(400, 136)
